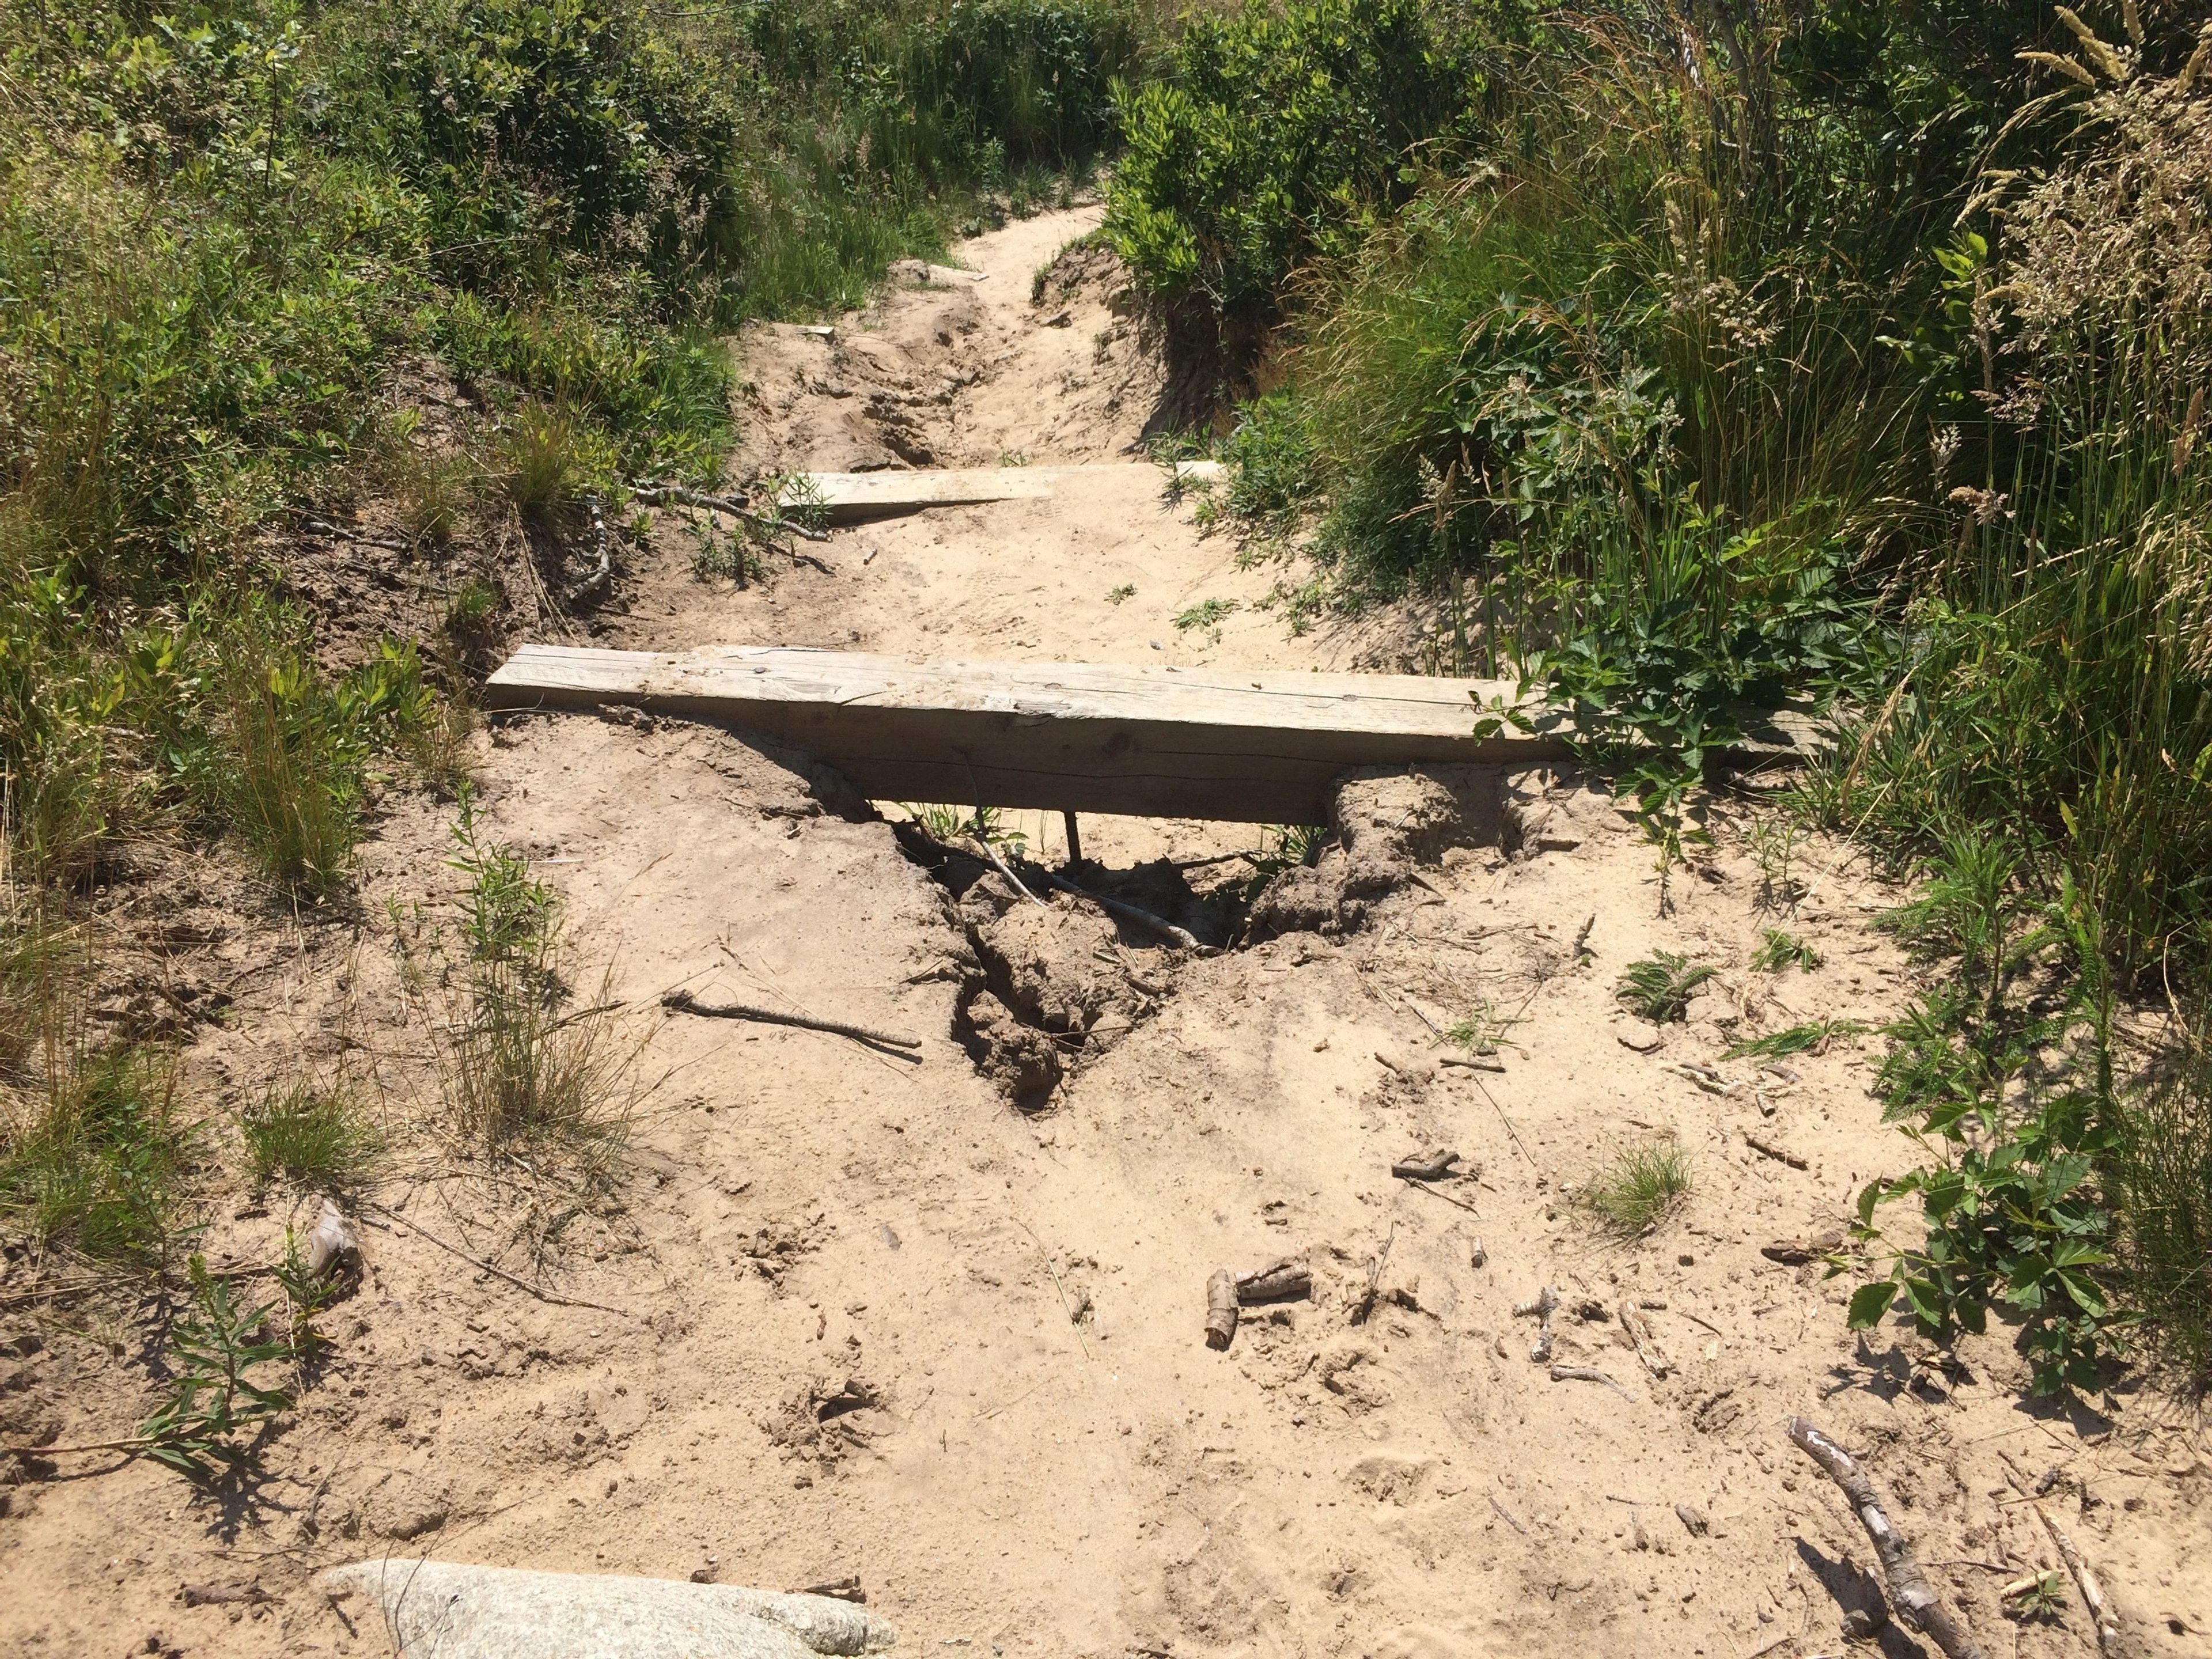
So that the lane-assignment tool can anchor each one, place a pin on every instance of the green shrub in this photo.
(1273, 134)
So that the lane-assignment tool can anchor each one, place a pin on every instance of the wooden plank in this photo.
(1210, 742)
(852, 496)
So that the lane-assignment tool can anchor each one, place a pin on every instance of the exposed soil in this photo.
(827, 1259)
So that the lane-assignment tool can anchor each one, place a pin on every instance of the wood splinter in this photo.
(1645, 1339)
(1287, 1280)
(1547, 1304)
(1221, 1310)
(1914, 1597)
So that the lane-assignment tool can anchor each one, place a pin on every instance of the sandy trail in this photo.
(877, 1321)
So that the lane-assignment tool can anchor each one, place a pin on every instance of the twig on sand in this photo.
(1506, 1515)
(1782, 1154)
(683, 1002)
(1590, 1374)
(1113, 907)
(2093, 1593)
(1375, 1266)
(655, 495)
(1000, 865)
(523, 1285)
(1914, 1597)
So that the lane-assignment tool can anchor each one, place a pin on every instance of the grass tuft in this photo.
(1642, 1186)
(315, 1136)
(97, 1164)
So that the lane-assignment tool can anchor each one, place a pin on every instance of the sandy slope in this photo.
(845, 1280)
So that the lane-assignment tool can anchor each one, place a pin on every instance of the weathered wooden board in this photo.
(1209, 743)
(850, 496)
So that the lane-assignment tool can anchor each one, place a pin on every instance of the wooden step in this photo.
(1157, 742)
(851, 496)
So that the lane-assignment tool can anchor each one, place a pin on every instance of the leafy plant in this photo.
(1778, 950)
(1116, 596)
(1812, 1037)
(1774, 841)
(1207, 616)
(1284, 847)
(1659, 988)
(216, 1408)
(2010, 1196)
(1638, 1189)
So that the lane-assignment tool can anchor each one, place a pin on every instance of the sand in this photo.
(862, 1315)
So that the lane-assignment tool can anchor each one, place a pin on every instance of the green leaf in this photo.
(1869, 1302)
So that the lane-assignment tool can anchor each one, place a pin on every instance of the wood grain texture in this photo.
(1213, 743)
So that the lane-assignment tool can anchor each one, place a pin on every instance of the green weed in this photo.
(1812, 1037)
(315, 1136)
(522, 1067)
(1659, 988)
(217, 1408)
(1121, 595)
(1205, 617)
(98, 1162)
(1778, 950)
(1638, 1189)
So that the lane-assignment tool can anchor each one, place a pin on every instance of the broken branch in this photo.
(1914, 1597)
(1287, 1280)
(659, 495)
(1645, 1339)
(1547, 1304)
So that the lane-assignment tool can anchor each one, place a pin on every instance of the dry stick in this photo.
(1375, 1265)
(1502, 1118)
(2093, 1593)
(684, 1002)
(1915, 1599)
(1437, 1192)
(132, 1443)
(1645, 1339)
(1065, 1306)
(523, 1285)
(1699, 1319)
(1000, 865)
(658, 494)
(1505, 1516)
(1590, 1374)
(1113, 907)
(1783, 1153)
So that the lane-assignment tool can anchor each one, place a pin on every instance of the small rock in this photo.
(1692, 1522)
(1640, 1035)
(1478, 1255)
(1685, 1260)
